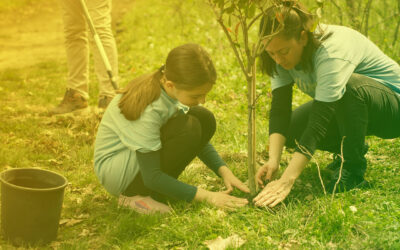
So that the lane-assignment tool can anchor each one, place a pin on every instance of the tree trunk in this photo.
(251, 87)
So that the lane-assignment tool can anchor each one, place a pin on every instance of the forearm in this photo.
(209, 156)
(276, 144)
(156, 180)
(295, 167)
(321, 115)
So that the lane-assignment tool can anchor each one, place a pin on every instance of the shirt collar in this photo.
(175, 102)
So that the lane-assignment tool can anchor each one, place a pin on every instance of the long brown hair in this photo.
(294, 18)
(187, 66)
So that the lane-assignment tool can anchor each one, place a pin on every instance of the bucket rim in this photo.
(33, 189)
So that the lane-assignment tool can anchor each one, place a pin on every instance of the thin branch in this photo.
(254, 20)
(366, 17)
(243, 23)
(304, 150)
(396, 31)
(340, 170)
(221, 22)
(339, 11)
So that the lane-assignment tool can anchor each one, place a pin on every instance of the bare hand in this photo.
(231, 181)
(226, 201)
(274, 193)
(266, 172)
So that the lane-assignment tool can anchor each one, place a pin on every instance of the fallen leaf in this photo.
(353, 209)
(221, 213)
(221, 244)
(209, 178)
(69, 222)
(84, 233)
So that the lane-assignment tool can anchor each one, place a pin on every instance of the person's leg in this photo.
(182, 138)
(367, 108)
(76, 46)
(100, 12)
(298, 124)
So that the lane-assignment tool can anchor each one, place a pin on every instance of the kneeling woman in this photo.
(154, 128)
(355, 89)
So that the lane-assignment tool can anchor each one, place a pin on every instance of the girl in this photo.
(154, 128)
(355, 89)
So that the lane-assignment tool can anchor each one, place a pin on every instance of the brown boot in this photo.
(72, 101)
(104, 101)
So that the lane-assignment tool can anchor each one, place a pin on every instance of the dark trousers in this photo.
(367, 108)
(182, 138)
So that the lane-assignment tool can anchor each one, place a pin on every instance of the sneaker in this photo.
(348, 181)
(143, 205)
(72, 101)
(104, 101)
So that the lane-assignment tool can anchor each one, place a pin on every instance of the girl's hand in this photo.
(219, 199)
(274, 193)
(266, 172)
(231, 181)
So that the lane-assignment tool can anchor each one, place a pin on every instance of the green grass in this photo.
(307, 219)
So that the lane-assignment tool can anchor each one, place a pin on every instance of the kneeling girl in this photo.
(154, 128)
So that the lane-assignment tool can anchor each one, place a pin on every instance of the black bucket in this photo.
(31, 202)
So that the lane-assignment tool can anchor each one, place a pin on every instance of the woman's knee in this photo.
(298, 123)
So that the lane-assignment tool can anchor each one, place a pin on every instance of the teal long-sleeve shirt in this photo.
(156, 180)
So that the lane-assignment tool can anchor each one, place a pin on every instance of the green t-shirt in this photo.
(345, 52)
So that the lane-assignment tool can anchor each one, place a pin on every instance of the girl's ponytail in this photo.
(139, 93)
(187, 66)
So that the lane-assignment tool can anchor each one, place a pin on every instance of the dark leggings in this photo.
(367, 108)
(182, 137)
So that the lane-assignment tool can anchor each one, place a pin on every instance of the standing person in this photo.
(355, 89)
(77, 49)
(154, 128)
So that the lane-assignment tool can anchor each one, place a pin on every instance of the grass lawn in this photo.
(359, 219)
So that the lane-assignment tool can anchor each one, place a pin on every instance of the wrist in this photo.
(201, 194)
(223, 171)
(295, 167)
(288, 179)
(274, 161)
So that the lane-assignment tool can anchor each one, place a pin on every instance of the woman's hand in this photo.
(267, 172)
(274, 193)
(220, 199)
(231, 180)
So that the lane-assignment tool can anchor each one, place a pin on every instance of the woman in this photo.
(355, 89)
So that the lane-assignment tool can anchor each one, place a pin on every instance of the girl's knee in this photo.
(206, 119)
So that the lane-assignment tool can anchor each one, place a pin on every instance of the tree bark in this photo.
(252, 130)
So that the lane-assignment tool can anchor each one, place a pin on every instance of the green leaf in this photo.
(220, 4)
(251, 11)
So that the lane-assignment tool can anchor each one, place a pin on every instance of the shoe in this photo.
(335, 164)
(337, 161)
(72, 101)
(143, 205)
(104, 101)
(348, 181)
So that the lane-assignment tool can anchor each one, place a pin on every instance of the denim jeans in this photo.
(367, 108)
